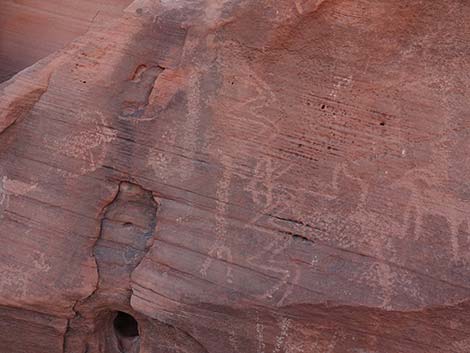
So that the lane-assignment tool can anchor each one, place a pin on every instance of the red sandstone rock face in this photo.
(33, 29)
(241, 176)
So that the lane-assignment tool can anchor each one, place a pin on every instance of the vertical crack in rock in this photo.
(126, 234)
(127, 230)
(68, 330)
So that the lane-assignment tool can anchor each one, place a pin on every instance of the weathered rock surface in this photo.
(33, 29)
(241, 176)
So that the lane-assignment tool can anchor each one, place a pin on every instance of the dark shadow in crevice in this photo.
(125, 325)
(126, 330)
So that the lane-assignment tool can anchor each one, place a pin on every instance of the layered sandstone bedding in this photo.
(228, 176)
(32, 29)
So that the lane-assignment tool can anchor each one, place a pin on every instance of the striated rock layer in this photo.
(33, 29)
(241, 176)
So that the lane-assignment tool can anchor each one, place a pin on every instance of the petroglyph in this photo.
(428, 197)
(40, 262)
(16, 187)
(160, 161)
(233, 341)
(284, 325)
(340, 84)
(219, 248)
(88, 146)
(267, 260)
(260, 337)
(15, 281)
(11, 187)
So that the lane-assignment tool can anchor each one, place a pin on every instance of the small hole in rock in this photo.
(382, 124)
(128, 224)
(125, 325)
(323, 106)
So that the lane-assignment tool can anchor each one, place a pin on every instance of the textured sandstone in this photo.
(241, 176)
(32, 29)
